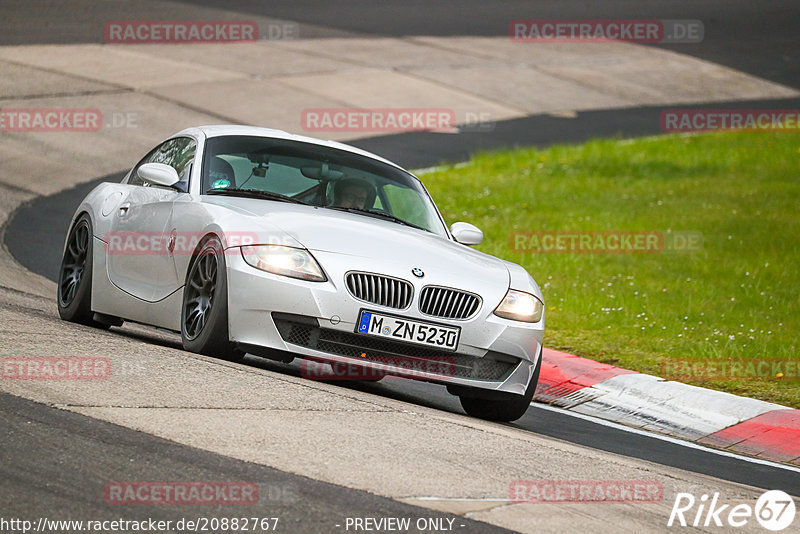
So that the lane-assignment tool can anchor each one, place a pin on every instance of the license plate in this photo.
(411, 331)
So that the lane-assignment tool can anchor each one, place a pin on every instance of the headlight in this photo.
(286, 261)
(520, 306)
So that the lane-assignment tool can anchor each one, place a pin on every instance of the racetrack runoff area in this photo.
(401, 450)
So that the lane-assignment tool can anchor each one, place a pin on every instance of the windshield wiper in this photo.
(255, 193)
(377, 214)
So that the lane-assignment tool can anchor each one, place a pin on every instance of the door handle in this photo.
(123, 208)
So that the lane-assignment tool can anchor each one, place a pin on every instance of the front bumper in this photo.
(317, 320)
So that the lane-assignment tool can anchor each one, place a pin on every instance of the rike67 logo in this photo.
(774, 510)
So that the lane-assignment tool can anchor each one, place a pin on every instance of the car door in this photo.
(139, 253)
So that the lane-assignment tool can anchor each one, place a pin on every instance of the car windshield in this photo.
(319, 176)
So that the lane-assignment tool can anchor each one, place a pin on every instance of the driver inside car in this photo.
(354, 193)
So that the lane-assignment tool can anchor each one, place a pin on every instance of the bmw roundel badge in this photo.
(416, 271)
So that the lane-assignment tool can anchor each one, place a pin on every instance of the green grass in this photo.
(736, 299)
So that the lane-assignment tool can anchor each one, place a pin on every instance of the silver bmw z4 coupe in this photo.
(251, 240)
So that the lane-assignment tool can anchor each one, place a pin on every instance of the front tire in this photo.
(204, 314)
(504, 410)
(75, 275)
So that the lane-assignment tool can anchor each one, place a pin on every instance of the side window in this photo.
(177, 153)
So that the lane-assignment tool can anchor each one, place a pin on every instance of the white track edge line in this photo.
(670, 439)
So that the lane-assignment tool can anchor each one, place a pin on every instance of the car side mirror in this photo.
(466, 233)
(158, 174)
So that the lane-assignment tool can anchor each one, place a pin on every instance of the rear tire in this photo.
(75, 276)
(505, 410)
(204, 314)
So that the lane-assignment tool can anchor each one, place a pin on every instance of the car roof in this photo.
(218, 130)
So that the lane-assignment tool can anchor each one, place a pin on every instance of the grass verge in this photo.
(732, 300)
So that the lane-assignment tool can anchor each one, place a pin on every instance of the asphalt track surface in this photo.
(759, 38)
(43, 457)
(57, 464)
(38, 246)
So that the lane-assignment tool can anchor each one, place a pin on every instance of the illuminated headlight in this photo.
(520, 306)
(286, 261)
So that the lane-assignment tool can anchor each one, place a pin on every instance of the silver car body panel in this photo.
(148, 288)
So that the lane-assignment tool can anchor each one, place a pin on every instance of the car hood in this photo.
(379, 245)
